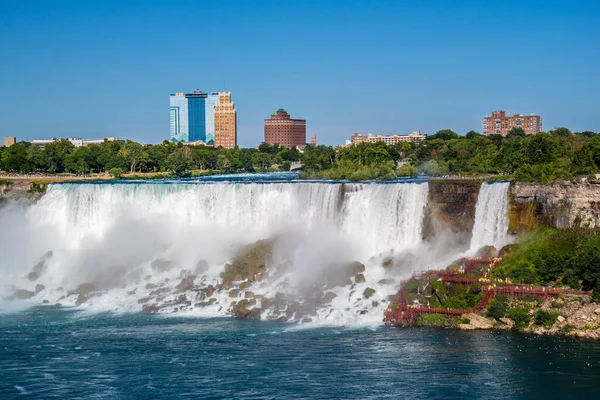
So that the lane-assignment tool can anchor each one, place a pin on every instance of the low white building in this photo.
(77, 142)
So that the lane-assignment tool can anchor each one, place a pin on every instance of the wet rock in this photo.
(58, 305)
(280, 304)
(249, 294)
(386, 281)
(41, 267)
(255, 313)
(21, 294)
(39, 288)
(355, 268)
(359, 278)
(159, 291)
(132, 292)
(85, 289)
(202, 267)
(80, 300)
(388, 263)
(212, 300)
(252, 302)
(282, 319)
(149, 308)
(245, 285)
(249, 261)
(45, 302)
(266, 303)
(363, 312)
(375, 303)
(307, 320)
(186, 283)
(151, 286)
(368, 292)
(258, 277)
(328, 297)
(160, 265)
(234, 293)
(226, 284)
(144, 300)
(209, 290)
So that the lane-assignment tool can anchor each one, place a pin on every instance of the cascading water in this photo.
(491, 216)
(129, 239)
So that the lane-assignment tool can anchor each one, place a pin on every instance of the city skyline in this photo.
(92, 70)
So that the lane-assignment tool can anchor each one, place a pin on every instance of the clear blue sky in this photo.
(104, 68)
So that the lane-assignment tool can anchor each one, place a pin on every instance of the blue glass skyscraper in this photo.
(192, 116)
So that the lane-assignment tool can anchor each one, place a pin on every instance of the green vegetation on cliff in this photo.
(564, 257)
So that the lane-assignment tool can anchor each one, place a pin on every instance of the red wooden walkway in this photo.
(405, 311)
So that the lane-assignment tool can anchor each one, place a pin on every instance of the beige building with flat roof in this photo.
(225, 122)
(9, 141)
(414, 137)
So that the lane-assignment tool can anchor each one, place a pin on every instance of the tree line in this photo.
(544, 157)
(116, 157)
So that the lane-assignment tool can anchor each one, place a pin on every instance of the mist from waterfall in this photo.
(128, 237)
(491, 217)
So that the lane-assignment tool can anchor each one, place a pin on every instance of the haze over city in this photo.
(92, 69)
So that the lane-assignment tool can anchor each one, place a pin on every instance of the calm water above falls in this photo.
(52, 353)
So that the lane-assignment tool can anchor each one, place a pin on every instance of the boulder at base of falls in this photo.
(209, 290)
(80, 300)
(186, 283)
(359, 278)
(21, 294)
(355, 268)
(249, 294)
(151, 286)
(85, 288)
(39, 288)
(249, 262)
(388, 263)
(149, 308)
(234, 293)
(41, 267)
(245, 285)
(368, 292)
(328, 297)
(282, 319)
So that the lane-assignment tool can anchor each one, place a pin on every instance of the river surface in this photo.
(48, 352)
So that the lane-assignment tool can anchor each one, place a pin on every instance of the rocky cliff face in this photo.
(561, 204)
(451, 208)
(20, 192)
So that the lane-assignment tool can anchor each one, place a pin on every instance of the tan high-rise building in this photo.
(225, 122)
(9, 141)
(500, 124)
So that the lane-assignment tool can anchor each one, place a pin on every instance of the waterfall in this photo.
(130, 238)
(388, 216)
(491, 216)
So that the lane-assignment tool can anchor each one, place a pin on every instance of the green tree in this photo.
(179, 161)
(132, 152)
(408, 170)
(472, 135)
(516, 131)
(444, 134)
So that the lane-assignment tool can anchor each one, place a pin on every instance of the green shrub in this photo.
(434, 319)
(497, 307)
(36, 187)
(545, 318)
(521, 317)
(116, 173)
